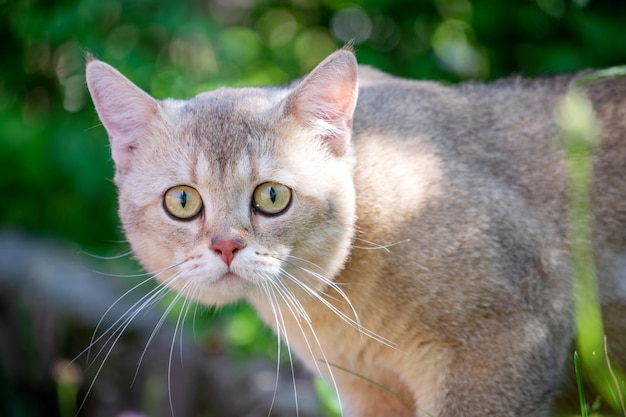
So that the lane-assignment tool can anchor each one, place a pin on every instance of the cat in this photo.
(395, 233)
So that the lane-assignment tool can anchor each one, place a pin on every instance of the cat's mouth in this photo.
(230, 276)
(232, 282)
(215, 290)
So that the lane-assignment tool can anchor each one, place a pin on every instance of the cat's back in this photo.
(469, 121)
(502, 134)
(485, 143)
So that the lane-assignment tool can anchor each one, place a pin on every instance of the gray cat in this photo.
(411, 233)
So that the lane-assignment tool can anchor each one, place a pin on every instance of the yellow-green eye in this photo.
(182, 202)
(271, 198)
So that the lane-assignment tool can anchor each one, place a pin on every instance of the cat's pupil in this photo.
(183, 199)
(272, 194)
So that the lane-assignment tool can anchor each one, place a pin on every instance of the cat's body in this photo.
(429, 247)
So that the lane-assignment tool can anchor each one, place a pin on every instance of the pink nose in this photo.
(226, 249)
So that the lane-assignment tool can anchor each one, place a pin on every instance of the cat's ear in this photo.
(326, 98)
(124, 109)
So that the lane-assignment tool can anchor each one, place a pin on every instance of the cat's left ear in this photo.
(325, 100)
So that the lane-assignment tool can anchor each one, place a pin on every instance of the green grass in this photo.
(580, 134)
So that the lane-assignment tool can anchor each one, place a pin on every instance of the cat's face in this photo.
(237, 192)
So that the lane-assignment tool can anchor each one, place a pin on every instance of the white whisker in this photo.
(291, 299)
(179, 325)
(114, 338)
(106, 258)
(331, 284)
(94, 340)
(109, 274)
(154, 295)
(164, 289)
(118, 328)
(270, 300)
(375, 246)
(151, 278)
(328, 282)
(280, 324)
(187, 307)
(349, 320)
(125, 318)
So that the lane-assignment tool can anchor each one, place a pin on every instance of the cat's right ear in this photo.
(124, 109)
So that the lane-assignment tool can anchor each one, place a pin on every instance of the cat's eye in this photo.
(182, 202)
(271, 198)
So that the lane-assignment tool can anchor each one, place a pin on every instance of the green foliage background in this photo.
(54, 156)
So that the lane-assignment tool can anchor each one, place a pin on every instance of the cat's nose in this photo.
(227, 249)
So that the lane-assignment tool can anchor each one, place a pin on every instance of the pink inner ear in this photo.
(326, 99)
(125, 110)
(344, 93)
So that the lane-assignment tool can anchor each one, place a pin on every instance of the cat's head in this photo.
(235, 191)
